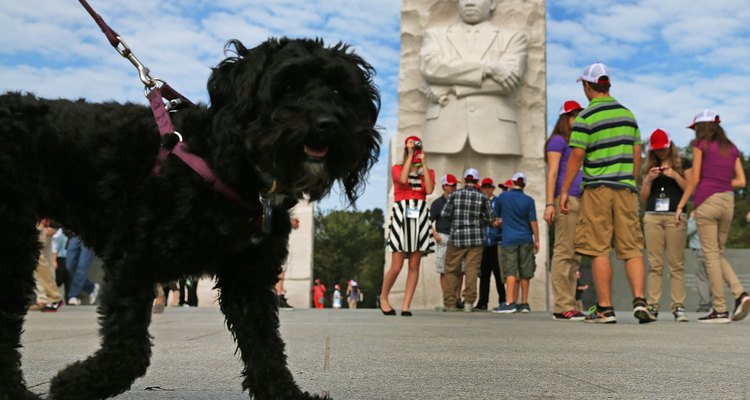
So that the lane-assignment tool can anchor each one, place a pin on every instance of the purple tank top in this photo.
(559, 145)
(717, 170)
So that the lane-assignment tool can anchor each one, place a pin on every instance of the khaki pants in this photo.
(662, 235)
(453, 257)
(565, 261)
(47, 290)
(713, 217)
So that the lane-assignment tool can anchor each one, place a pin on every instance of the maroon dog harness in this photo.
(157, 91)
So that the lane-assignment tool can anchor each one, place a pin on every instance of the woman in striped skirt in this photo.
(409, 231)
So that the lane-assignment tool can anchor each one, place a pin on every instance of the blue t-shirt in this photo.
(517, 211)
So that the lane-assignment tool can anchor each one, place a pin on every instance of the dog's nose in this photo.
(325, 123)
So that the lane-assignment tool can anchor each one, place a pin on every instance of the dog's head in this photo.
(299, 112)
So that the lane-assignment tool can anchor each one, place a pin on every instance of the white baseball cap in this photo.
(471, 172)
(705, 116)
(593, 73)
(519, 176)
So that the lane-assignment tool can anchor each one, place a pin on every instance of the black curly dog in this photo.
(290, 117)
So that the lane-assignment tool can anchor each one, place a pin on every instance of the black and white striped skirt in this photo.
(410, 234)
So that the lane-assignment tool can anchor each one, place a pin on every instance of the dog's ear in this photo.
(354, 181)
(235, 80)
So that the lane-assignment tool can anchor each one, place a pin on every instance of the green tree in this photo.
(350, 245)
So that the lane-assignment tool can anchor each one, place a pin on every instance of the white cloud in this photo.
(669, 58)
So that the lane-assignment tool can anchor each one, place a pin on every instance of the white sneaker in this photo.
(94, 293)
(679, 315)
(74, 301)
(468, 307)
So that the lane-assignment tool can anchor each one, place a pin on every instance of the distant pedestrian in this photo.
(59, 254)
(717, 170)
(664, 182)
(565, 262)
(352, 294)
(336, 297)
(441, 230)
(520, 233)
(606, 135)
(48, 294)
(79, 260)
(319, 293)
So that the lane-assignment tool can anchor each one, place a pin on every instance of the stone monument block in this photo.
(472, 85)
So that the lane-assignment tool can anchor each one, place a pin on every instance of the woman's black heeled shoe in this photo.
(391, 312)
(406, 313)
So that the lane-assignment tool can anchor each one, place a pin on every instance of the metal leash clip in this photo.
(143, 71)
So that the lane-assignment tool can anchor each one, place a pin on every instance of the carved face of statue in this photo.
(475, 11)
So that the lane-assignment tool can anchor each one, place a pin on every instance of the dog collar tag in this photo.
(266, 215)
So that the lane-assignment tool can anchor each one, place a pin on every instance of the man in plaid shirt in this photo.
(469, 211)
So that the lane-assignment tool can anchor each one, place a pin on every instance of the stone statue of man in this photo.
(472, 69)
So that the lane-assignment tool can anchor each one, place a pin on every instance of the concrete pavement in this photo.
(361, 354)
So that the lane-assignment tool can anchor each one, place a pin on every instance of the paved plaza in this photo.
(360, 354)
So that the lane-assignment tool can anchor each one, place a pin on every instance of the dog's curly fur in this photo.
(275, 110)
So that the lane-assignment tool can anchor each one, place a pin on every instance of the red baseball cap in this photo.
(570, 106)
(508, 183)
(659, 140)
(488, 182)
(414, 138)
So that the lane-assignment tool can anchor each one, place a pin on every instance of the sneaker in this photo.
(524, 308)
(459, 304)
(505, 308)
(679, 314)
(446, 309)
(715, 318)
(598, 315)
(741, 307)
(468, 307)
(283, 304)
(572, 315)
(94, 293)
(643, 312)
(480, 308)
(52, 307)
(74, 301)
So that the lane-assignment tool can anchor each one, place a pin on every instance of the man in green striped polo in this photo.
(606, 140)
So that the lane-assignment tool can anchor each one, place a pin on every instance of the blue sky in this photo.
(668, 58)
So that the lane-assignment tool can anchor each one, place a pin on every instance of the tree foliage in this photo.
(350, 245)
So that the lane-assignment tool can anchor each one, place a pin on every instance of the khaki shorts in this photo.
(608, 212)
